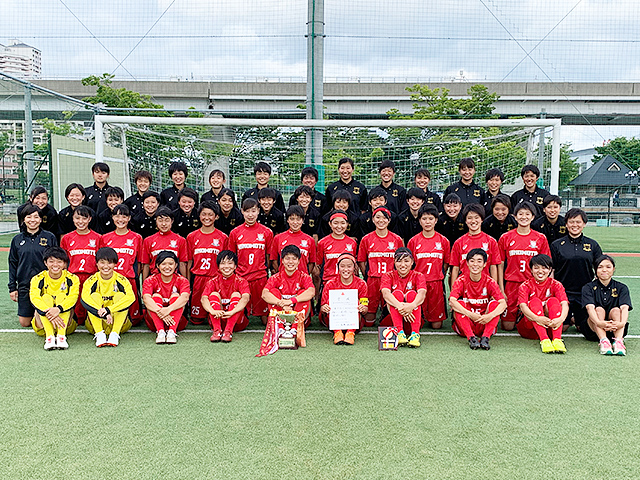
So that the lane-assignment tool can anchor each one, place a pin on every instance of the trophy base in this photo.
(287, 343)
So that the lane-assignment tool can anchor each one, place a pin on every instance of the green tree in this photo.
(624, 149)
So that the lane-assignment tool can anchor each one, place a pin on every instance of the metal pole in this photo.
(28, 137)
(541, 148)
(99, 140)
(555, 160)
(315, 86)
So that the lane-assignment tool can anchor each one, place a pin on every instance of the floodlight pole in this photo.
(28, 137)
(315, 85)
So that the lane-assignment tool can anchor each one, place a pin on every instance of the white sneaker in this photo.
(101, 338)
(161, 337)
(62, 342)
(171, 337)
(113, 340)
(50, 343)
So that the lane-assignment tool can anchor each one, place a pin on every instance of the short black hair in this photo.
(291, 250)
(249, 203)
(108, 254)
(149, 193)
(57, 253)
(121, 209)
(422, 172)
(266, 193)
(494, 172)
(227, 255)
(387, 164)
(477, 251)
(309, 171)
(230, 193)
(526, 206)
(39, 190)
(262, 167)
(142, 174)
(473, 207)
(466, 162)
(344, 160)
(30, 208)
(503, 199)
(575, 212)
(551, 199)
(71, 186)
(163, 212)
(452, 198)
(530, 168)
(295, 210)
(217, 171)
(601, 259)
(542, 260)
(189, 193)
(164, 254)
(307, 190)
(100, 167)
(401, 253)
(376, 192)
(84, 211)
(178, 167)
(213, 206)
(416, 192)
(428, 209)
(114, 192)
(341, 195)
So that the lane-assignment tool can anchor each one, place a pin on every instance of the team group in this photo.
(509, 260)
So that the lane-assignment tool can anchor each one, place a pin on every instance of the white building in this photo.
(584, 158)
(20, 60)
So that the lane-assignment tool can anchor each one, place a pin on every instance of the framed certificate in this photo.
(344, 310)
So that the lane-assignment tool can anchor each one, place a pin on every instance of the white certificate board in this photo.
(344, 310)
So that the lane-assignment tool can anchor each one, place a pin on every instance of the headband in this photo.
(338, 215)
(346, 256)
(383, 210)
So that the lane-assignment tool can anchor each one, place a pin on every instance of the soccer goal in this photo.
(235, 145)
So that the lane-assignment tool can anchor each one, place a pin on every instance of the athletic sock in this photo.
(541, 331)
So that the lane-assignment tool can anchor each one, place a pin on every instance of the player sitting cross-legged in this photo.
(107, 296)
(477, 302)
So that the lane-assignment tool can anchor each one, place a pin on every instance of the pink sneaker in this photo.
(618, 347)
(605, 347)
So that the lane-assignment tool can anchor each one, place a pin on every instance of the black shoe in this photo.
(484, 343)
(474, 344)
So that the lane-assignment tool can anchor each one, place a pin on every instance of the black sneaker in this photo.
(474, 343)
(484, 343)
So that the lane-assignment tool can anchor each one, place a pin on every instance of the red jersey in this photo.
(285, 286)
(329, 249)
(251, 244)
(154, 284)
(226, 286)
(517, 250)
(336, 284)
(468, 242)
(545, 290)
(430, 255)
(393, 281)
(82, 251)
(476, 295)
(159, 242)
(129, 249)
(203, 250)
(378, 252)
(304, 242)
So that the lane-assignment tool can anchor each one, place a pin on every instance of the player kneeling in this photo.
(477, 302)
(107, 296)
(165, 295)
(346, 280)
(545, 306)
(404, 290)
(54, 293)
(225, 297)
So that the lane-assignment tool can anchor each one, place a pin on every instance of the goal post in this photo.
(475, 135)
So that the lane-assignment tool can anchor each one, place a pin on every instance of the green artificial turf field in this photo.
(201, 410)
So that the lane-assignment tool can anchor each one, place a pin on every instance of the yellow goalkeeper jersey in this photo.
(115, 294)
(64, 291)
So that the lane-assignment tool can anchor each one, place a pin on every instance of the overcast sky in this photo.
(418, 40)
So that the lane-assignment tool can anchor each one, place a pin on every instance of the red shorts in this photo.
(374, 294)
(79, 310)
(198, 314)
(433, 308)
(182, 324)
(257, 306)
(511, 292)
(526, 330)
(135, 310)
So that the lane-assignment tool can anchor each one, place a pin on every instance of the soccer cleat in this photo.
(414, 340)
(50, 343)
(61, 341)
(558, 346)
(484, 343)
(605, 347)
(338, 337)
(215, 337)
(618, 347)
(474, 343)
(349, 338)
(402, 339)
(161, 337)
(172, 337)
(101, 339)
(226, 337)
(113, 340)
(547, 346)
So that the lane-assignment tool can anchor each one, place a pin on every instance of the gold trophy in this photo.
(287, 331)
